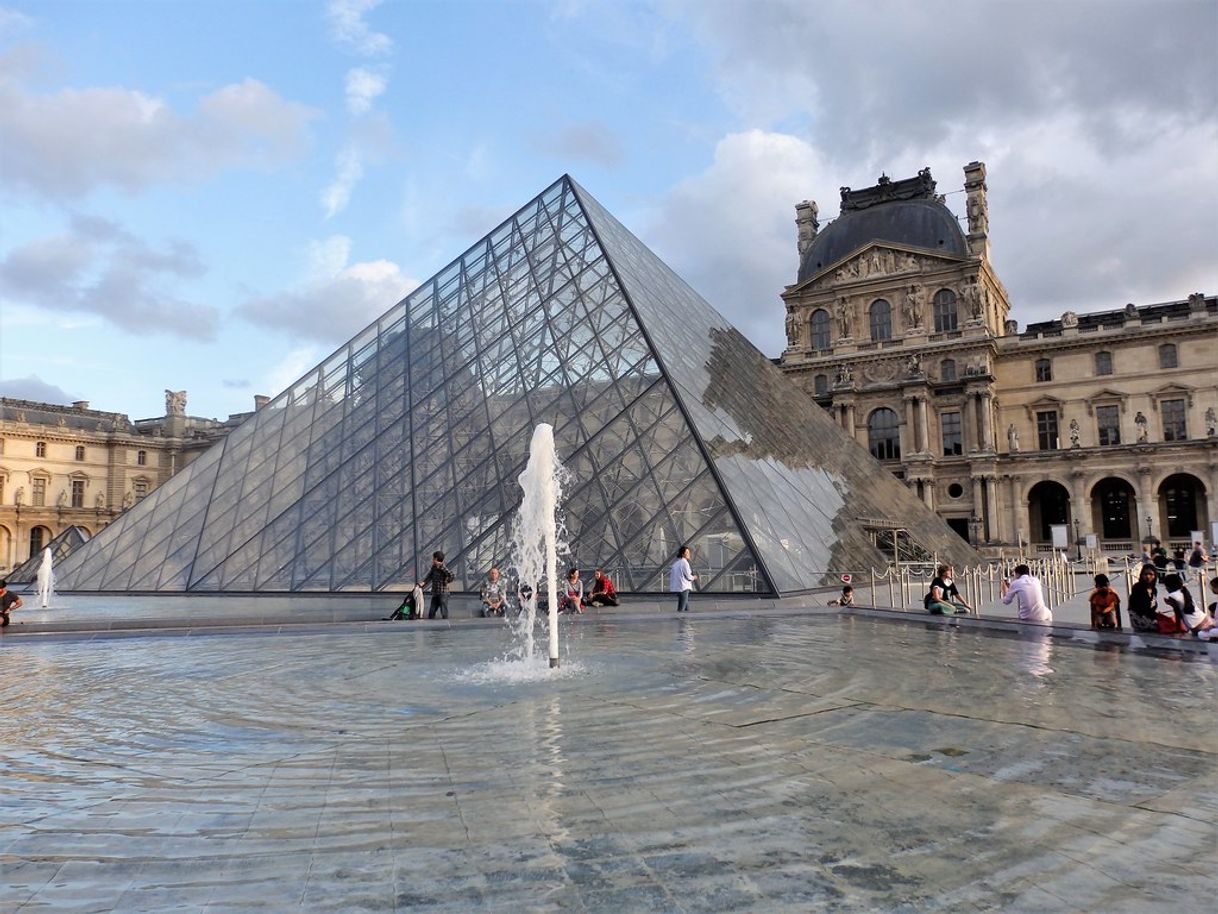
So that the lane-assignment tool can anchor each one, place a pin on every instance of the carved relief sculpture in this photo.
(1211, 423)
(175, 403)
(845, 375)
(1074, 433)
(1069, 320)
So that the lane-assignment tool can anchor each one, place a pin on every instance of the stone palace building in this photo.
(1100, 423)
(65, 466)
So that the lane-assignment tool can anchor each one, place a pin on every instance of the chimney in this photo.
(260, 400)
(80, 405)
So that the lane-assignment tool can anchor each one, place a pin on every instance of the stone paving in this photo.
(719, 763)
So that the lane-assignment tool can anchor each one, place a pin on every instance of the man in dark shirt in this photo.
(439, 578)
(8, 602)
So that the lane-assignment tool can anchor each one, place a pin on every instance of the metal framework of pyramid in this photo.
(411, 436)
(67, 542)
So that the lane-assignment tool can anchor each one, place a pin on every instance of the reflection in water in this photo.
(1032, 657)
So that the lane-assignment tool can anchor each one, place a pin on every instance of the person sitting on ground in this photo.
(603, 593)
(1197, 558)
(1190, 617)
(1144, 600)
(1105, 605)
(846, 599)
(493, 595)
(1027, 590)
(572, 599)
(943, 598)
(8, 602)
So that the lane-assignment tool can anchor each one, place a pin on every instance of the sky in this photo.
(213, 195)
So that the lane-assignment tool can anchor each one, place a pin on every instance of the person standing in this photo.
(1027, 590)
(439, 577)
(8, 602)
(681, 579)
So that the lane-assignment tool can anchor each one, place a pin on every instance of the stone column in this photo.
(987, 432)
(925, 425)
(968, 423)
(1080, 505)
(1017, 519)
(850, 430)
(1211, 498)
(910, 443)
(1146, 505)
(992, 512)
(928, 493)
(978, 504)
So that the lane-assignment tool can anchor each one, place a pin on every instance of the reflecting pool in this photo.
(779, 763)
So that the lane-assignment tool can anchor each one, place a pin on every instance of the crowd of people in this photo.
(493, 595)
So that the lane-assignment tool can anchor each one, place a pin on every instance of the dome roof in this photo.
(922, 223)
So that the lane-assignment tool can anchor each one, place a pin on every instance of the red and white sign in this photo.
(846, 579)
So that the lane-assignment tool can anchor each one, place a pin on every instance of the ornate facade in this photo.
(71, 465)
(1102, 422)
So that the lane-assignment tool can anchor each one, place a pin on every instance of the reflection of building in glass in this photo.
(410, 438)
(1105, 422)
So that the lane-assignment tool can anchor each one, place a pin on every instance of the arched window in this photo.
(947, 370)
(1044, 370)
(820, 385)
(1103, 363)
(141, 458)
(881, 320)
(820, 329)
(945, 311)
(884, 435)
(1168, 357)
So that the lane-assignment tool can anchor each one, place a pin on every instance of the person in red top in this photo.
(1105, 605)
(603, 593)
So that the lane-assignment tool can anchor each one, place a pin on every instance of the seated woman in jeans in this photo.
(944, 599)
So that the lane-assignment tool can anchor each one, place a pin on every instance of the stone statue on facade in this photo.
(1196, 301)
(792, 330)
(1143, 427)
(1069, 320)
(1211, 423)
(128, 499)
(974, 299)
(913, 307)
(845, 318)
(1131, 312)
(1012, 438)
(806, 224)
(1074, 433)
(99, 502)
(913, 366)
(978, 218)
(62, 500)
(175, 403)
(845, 374)
(19, 495)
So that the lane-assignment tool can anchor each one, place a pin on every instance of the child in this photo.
(1105, 605)
(846, 599)
(439, 577)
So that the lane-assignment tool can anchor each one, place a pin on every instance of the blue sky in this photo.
(211, 196)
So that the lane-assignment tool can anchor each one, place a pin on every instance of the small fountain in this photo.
(46, 579)
(535, 535)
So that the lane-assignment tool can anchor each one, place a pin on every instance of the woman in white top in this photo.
(1026, 589)
(681, 579)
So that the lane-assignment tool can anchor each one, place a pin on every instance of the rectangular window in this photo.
(40, 493)
(40, 449)
(953, 440)
(78, 493)
(80, 452)
(1173, 420)
(141, 489)
(1108, 423)
(141, 458)
(1046, 430)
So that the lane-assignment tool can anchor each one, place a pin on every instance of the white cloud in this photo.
(730, 231)
(590, 141)
(331, 308)
(98, 267)
(363, 87)
(337, 195)
(68, 143)
(34, 388)
(348, 28)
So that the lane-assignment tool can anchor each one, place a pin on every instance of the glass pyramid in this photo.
(63, 545)
(410, 438)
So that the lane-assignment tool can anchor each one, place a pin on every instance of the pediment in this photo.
(1168, 391)
(876, 261)
(1107, 397)
(1043, 405)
